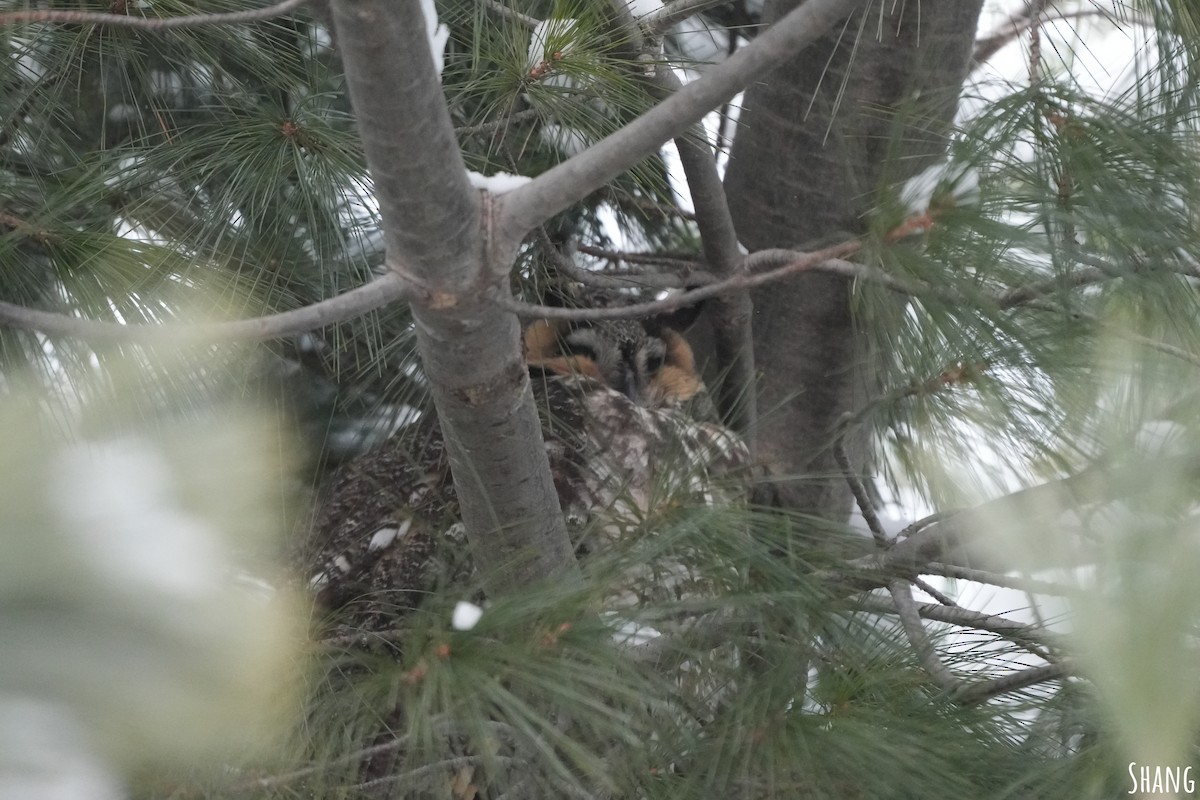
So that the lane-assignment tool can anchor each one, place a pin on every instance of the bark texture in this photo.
(815, 138)
(434, 228)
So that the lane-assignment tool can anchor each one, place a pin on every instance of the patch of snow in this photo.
(438, 35)
(383, 538)
(630, 634)
(466, 616)
(498, 183)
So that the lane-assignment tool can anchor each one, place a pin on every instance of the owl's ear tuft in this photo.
(543, 352)
(679, 352)
(541, 340)
(678, 320)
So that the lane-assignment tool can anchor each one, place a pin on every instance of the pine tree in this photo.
(923, 289)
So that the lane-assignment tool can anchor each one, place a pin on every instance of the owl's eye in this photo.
(581, 343)
(654, 355)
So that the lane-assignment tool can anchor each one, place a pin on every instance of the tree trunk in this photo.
(815, 136)
(434, 231)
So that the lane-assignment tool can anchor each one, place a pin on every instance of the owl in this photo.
(628, 429)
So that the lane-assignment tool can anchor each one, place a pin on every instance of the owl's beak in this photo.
(631, 384)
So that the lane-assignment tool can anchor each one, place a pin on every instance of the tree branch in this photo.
(442, 230)
(148, 23)
(1026, 635)
(1028, 585)
(826, 260)
(354, 303)
(918, 637)
(986, 690)
(523, 209)
(675, 262)
(1001, 37)
(564, 264)
(858, 489)
(511, 13)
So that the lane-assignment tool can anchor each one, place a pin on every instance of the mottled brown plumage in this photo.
(627, 427)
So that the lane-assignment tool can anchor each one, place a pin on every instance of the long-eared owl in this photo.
(628, 427)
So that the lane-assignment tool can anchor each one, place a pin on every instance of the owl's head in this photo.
(651, 364)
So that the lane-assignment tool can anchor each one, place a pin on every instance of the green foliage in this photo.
(160, 176)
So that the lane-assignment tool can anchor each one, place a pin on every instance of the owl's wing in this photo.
(387, 531)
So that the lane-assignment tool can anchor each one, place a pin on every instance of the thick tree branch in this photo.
(148, 23)
(354, 303)
(440, 228)
(525, 208)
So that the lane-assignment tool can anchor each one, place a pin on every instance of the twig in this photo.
(1041, 289)
(763, 259)
(925, 522)
(497, 124)
(802, 261)
(930, 590)
(918, 637)
(992, 43)
(857, 488)
(565, 265)
(148, 23)
(996, 579)
(1029, 637)
(668, 259)
(1036, 9)
(512, 13)
(986, 690)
